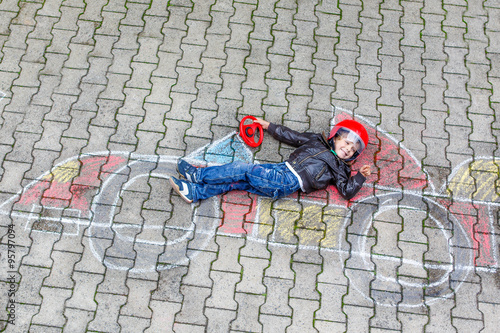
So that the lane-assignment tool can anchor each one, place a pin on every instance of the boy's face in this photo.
(344, 148)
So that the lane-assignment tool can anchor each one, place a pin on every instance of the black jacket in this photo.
(315, 163)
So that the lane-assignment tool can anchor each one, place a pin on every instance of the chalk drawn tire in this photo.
(118, 246)
(414, 282)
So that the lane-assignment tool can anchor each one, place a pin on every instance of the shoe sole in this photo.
(189, 179)
(178, 190)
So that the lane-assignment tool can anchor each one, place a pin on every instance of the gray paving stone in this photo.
(131, 324)
(109, 24)
(239, 38)
(29, 291)
(469, 309)
(331, 299)
(127, 125)
(169, 292)
(251, 280)
(106, 316)
(481, 127)
(163, 316)
(167, 80)
(10, 6)
(128, 38)
(227, 259)
(219, 320)
(18, 104)
(281, 44)
(141, 74)
(192, 306)
(215, 46)
(223, 292)
(84, 290)
(70, 81)
(475, 27)
(77, 320)
(277, 297)
(12, 176)
(248, 312)
(439, 316)
(52, 308)
(22, 140)
(69, 18)
(280, 259)
(274, 323)
(62, 269)
(300, 82)
(302, 319)
(51, 136)
(357, 320)
(118, 7)
(411, 321)
(198, 269)
(138, 298)
(261, 30)
(468, 325)
(89, 263)
(178, 16)
(122, 63)
(492, 311)
(235, 61)
(305, 281)
(231, 87)
(299, 103)
(275, 96)
(86, 30)
(21, 32)
(148, 142)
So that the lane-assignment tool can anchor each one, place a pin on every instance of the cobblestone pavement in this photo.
(100, 98)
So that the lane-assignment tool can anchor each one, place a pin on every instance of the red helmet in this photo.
(352, 131)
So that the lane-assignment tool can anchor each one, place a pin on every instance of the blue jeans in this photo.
(270, 180)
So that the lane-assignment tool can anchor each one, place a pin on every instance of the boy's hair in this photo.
(344, 133)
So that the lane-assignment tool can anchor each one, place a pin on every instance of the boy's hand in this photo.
(365, 170)
(262, 122)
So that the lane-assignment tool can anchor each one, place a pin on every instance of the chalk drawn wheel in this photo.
(252, 134)
(139, 245)
(406, 244)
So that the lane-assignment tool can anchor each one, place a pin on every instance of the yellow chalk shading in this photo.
(265, 212)
(333, 225)
(308, 237)
(284, 226)
(476, 181)
(65, 172)
(314, 226)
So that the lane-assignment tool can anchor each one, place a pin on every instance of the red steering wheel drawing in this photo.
(247, 132)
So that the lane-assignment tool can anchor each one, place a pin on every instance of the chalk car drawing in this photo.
(437, 237)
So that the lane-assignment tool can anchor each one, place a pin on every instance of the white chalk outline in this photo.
(254, 236)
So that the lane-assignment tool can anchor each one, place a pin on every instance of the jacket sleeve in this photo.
(289, 136)
(348, 187)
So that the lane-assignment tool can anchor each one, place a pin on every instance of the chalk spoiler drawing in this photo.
(81, 197)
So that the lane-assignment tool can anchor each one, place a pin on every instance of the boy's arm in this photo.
(289, 136)
(348, 187)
